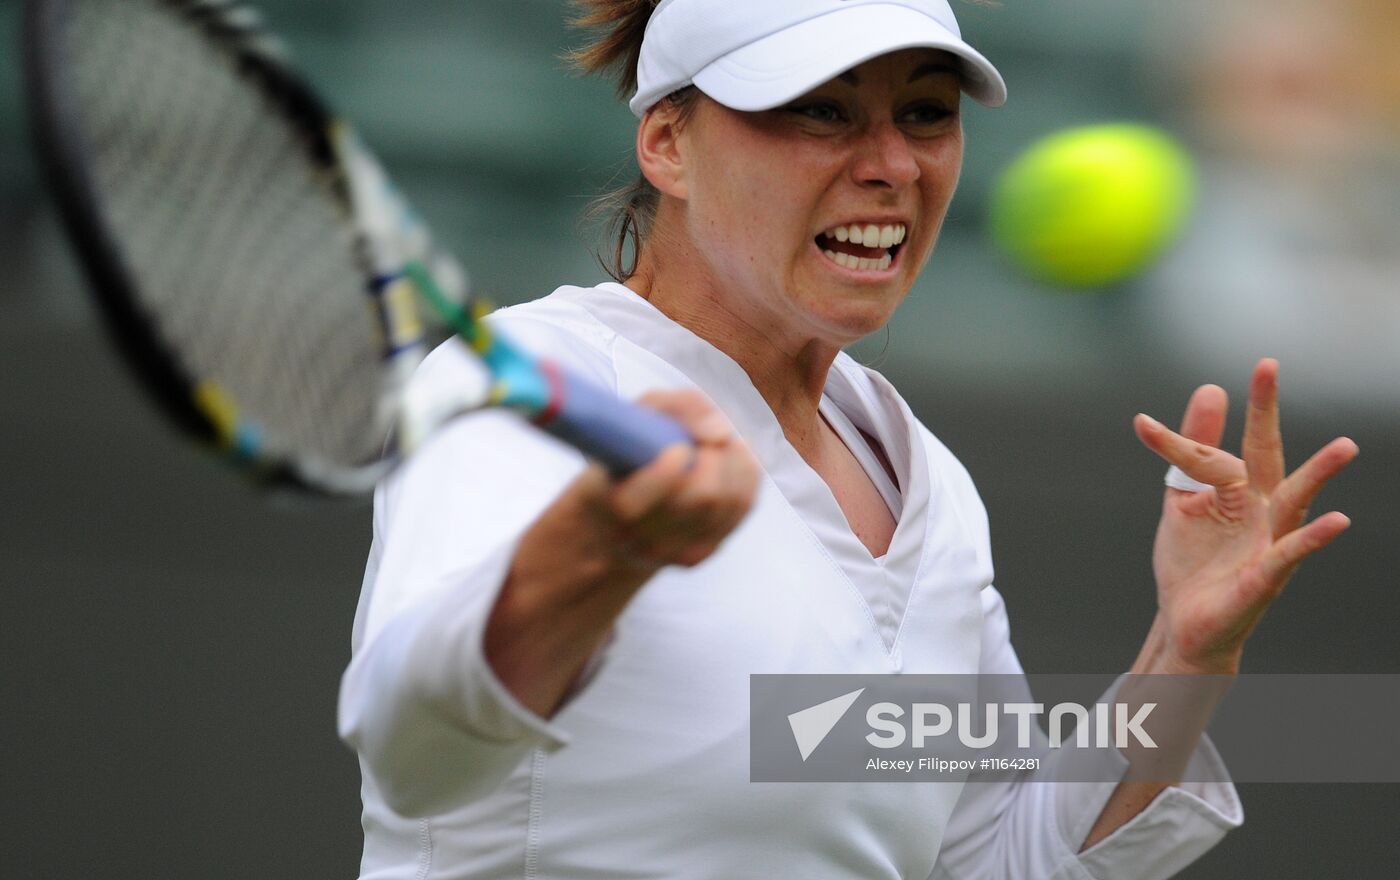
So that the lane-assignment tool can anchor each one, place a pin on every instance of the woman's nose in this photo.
(884, 157)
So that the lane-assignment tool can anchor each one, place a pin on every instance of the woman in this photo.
(551, 671)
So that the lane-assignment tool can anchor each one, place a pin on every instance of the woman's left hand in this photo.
(1222, 555)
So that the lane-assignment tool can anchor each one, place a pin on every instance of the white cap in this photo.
(760, 54)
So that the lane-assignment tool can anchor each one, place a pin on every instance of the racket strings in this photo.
(241, 252)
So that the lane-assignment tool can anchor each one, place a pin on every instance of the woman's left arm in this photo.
(1222, 556)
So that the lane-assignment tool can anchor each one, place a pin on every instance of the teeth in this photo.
(857, 263)
(838, 259)
(870, 235)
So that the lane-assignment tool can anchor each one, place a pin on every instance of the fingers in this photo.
(1283, 556)
(694, 411)
(1196, 449)
(724, 479)
(1198, 460)
(1290, 502)
(713, 501)
(1204, 421)
(1263, 445)
(648, 487)
(680, 507)
(687, 523)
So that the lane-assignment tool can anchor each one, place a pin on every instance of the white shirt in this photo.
(643, 773)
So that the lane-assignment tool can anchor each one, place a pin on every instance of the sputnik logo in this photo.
(811, 726)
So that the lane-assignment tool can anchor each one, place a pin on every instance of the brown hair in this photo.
(617, 28)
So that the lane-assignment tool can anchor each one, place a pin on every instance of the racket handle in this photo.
(619, 435)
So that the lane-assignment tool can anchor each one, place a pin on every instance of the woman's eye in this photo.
(820, 111)
(927, 114)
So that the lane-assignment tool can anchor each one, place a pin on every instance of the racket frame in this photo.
(392, 261)
(198, 408)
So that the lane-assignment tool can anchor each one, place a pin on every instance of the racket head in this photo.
(245, 249)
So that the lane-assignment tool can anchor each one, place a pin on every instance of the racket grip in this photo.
(619, 435)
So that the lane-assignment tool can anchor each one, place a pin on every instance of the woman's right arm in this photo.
(478, 623)
(580, 563)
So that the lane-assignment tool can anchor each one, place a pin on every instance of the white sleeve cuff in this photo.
(1181, 824)
(1079, 803)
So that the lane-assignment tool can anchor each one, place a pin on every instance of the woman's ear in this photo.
(659, 151)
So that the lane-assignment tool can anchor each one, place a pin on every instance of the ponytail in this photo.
(617, 28)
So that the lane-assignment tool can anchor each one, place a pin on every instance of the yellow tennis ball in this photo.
(1091, 206)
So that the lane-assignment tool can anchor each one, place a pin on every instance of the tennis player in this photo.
(551, 670)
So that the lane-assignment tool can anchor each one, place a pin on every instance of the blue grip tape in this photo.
(620, 436)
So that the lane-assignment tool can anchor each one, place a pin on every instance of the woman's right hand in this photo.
(589, 553)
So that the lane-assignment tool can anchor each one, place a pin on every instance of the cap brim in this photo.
(772, 71)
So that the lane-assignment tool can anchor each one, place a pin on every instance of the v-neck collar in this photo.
(886, 586)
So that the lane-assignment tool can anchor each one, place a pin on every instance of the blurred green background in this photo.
(172, 641)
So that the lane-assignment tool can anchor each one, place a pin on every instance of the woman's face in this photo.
(813, 219)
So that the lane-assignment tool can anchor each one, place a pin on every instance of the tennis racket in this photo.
(254, 264)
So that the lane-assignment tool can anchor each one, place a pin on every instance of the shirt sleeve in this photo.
(1032, 827)
(419, 697)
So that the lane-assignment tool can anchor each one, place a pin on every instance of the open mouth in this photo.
(863, 247)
